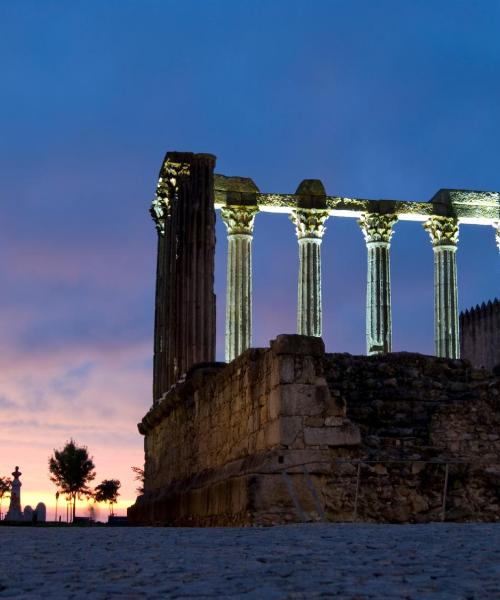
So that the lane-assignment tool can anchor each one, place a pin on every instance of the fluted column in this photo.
(377, 230)
(239, 221)
(443, 232)
(309, 227)
(183, 211)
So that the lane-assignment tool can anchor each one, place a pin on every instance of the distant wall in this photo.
(480, 335)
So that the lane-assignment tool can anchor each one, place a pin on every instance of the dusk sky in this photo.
(378, 99)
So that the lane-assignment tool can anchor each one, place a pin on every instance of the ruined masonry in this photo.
(480, 340)
(291, 433)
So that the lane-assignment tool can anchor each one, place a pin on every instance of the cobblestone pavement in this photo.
(445, 561)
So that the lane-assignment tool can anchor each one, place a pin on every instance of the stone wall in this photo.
(480, 335)
(417, 414)
(291, 434)
(213, 442)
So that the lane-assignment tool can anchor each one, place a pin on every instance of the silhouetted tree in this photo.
(5, 484)
(71, 469)
(139, 476)
(107, 491)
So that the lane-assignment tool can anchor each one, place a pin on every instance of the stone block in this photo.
(301, 399)
(335, 405)
(261, 441)
(290, 429)
(298, 345)
(315, 422)
(334, 421)
(274, 404)
(346, 435)
(272, 433)
(283, 370)
(305, 370)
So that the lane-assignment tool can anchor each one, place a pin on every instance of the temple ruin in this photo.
(263, 438)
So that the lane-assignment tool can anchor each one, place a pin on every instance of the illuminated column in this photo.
(239, 221)
(377, 230)
(497, 227)
(309, 226)
(443, 232)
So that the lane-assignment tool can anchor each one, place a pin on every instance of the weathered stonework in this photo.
(185, 302)
(378, 231)
(239, 221)
(417, 414)
(480, 335)
(443, 232)
(310, 228)
(289, 434)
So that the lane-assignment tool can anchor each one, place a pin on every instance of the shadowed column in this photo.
(443, 232)
(239, 221)
(309, 227)
(377, 230)
(183, 210)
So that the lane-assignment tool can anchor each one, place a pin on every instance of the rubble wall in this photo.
(419, 416)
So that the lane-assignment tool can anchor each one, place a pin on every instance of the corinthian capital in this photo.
(166, 190)
(443, 231)
(309, 222)
(377, 228)
(160, 209)
(239, 220)
(497, 230)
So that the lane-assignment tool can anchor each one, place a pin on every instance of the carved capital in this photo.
(160, 209)
(239, 220)
(377, 228)
(166, 190)
(497, 233)
(309, 222)
(443, 231)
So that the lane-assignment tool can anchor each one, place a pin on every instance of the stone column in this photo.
(183, 210)
(239, 221)
(443, 232)
(377, 230)
(309, 227)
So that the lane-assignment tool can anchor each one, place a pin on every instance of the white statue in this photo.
(15, 513)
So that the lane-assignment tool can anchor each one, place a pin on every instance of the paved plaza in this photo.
(357, 561)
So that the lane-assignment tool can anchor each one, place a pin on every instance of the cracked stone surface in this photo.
(445, 561)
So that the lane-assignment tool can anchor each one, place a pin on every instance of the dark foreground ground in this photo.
(445, 561)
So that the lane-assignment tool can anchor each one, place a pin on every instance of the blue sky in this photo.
(378, 99)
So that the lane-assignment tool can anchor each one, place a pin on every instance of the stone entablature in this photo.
(468, 206)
